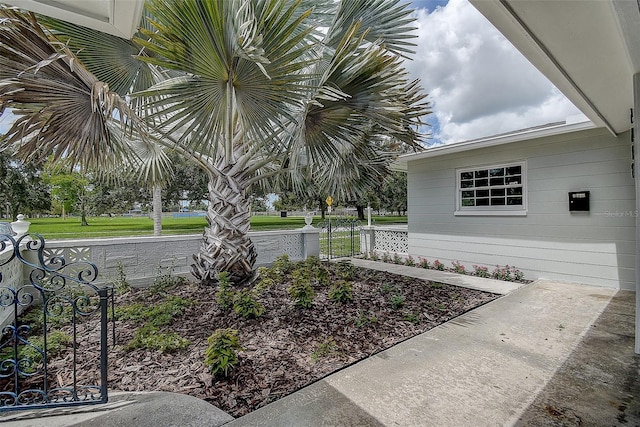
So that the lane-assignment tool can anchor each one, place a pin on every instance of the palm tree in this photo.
(248, 90)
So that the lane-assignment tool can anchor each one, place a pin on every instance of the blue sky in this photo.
(478, 83)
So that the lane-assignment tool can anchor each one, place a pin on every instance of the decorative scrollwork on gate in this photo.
(39, 357)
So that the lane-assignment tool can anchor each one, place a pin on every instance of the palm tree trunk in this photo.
(226, 245)
(157, 210)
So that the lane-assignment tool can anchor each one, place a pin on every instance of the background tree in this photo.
(394, 193)
(246, 90)
(21, 187)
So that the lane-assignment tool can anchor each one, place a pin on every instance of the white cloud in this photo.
(478, 83)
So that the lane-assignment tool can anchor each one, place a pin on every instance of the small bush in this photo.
(120, 281)
(150, 337)
(282, 264)
(325, 348)
(345, 270)
(386, 257)
(341, 292)
(503, 273)
(300, 290)
(263, 285)
(224, 295)
(438, 265)
(373, 256)
(322, 276)
(480, 271)
(387, 288)
(397, 301)
(424, 263)
(458, 268)
(221, 354)
(411, 317)
(157, 315)
(397, 259)
(165, 280)
(246, 304)
(410, 262)
(364, 319)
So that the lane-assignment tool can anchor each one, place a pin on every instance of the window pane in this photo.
(482, 174)
(466, 184)
(467, 194)
(497, 172)
(497, 181)
(482, 202)
(497, 192)
(514, 180)
(466, 175)
(482, 182)
(497, 201)
(482, 193)
(513, 201)
(514, 170)
(514, 191)
(467, 202)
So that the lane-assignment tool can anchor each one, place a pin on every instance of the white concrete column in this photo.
(636, 147)
(310, 242)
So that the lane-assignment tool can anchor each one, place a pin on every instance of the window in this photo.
(492, 190)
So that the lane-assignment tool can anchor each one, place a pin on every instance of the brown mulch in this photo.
(284, 350)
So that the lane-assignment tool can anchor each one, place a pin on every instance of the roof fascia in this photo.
(401, 163)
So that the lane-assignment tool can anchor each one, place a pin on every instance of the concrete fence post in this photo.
(310, 242)
(367, 240)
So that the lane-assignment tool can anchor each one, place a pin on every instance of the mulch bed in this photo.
(284, 350)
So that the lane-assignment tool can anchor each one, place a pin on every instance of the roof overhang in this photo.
(589, 50)
(117, 17)
(523, 135)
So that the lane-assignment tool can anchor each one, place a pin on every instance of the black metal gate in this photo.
(41, 363)
(339, 237)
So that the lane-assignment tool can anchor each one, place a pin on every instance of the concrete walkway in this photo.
(510, 361)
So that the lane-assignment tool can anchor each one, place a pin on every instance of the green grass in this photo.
(70, 228)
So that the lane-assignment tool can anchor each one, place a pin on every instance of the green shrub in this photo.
(224, 294)
(165, 280)
(364, 319)
(413, 318)
(150, 337)
(246, 304)
(300, 290)
(322, 276)
(345, 270)
(325, 348)
(282, 264)
(341, 291)
(157, 315)
(397, 259)
(221, 354)
(397, 301)
(264, 284)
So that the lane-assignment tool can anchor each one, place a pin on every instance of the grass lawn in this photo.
(58, 228)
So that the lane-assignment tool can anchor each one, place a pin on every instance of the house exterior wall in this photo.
(596, 247)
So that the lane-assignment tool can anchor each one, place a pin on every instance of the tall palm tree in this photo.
(246, 89)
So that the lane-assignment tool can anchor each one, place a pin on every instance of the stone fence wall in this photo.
(143, 258)
(378, 240)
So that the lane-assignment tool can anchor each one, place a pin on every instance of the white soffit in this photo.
(117, 17)
(580, 46)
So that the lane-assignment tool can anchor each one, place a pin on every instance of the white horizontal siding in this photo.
(595, 247)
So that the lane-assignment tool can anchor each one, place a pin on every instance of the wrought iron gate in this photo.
(339, 237)
(41, 364)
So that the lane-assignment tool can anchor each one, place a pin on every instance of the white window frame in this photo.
(496, 210)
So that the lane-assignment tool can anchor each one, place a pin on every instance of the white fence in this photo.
(142, 258)
(378, 240)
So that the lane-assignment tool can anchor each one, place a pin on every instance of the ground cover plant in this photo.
(241, 348)
(508, 273)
